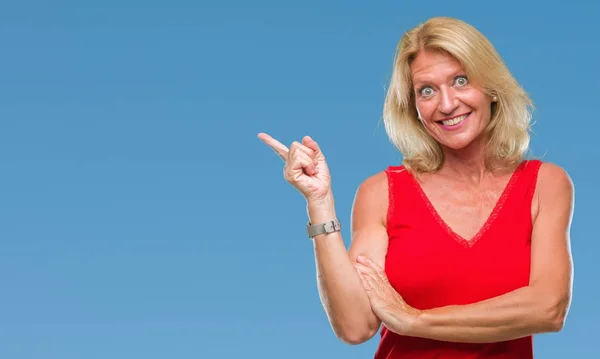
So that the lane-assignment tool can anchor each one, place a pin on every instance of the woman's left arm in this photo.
(540, 307)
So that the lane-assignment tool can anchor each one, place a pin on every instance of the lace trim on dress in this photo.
(489, 221)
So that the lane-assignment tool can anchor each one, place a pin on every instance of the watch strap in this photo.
(313, 230)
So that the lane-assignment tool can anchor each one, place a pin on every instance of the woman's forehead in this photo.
(433, 66)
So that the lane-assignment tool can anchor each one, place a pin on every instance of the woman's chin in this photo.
(458, 143)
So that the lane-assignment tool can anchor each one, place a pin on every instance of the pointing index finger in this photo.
(277, 146)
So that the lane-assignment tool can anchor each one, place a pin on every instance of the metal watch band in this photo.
(313, 230)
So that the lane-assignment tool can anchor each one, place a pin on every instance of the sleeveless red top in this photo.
(431, 266)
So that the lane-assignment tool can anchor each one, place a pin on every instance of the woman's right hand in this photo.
(305, 167)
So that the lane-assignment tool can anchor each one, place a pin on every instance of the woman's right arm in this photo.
(341, 290)
(342, 293)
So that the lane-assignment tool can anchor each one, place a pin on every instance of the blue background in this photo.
(140, 217)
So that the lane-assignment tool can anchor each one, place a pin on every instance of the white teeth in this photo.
(455, 120)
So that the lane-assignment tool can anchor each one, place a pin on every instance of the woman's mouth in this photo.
(454, 122)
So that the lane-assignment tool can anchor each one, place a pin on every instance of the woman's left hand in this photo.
(386, 303)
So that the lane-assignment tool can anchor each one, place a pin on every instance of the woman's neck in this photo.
(466, 164)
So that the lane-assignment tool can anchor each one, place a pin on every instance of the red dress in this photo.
(431, 266)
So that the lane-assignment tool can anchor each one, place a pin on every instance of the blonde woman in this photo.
(463, 251)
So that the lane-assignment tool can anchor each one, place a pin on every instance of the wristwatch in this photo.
(328, 227)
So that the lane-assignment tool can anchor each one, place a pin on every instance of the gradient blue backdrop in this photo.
(140, 217)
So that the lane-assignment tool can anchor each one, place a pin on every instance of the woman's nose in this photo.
(448, 101)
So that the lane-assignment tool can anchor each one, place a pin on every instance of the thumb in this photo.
(310, 143)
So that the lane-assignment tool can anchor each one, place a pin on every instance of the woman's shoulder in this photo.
(554, 186)
(377, 187)
(381, 180)
(551, 169)
(376, 182)
(553, 177)
(371, 198)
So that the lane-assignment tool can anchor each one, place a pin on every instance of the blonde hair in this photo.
(509, 126)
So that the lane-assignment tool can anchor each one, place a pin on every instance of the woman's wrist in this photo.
(322, 209)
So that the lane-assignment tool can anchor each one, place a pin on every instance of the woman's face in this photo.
(453, 110)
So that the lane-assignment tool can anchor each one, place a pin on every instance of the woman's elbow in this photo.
(557, 313)
(356, 337)
(557, 321)
(355, 334)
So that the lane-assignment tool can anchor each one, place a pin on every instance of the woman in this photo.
(463, 251)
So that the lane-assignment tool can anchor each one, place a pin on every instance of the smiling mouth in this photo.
(454, 121)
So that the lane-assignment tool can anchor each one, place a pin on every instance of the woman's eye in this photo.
(461, 81)
(427, 91)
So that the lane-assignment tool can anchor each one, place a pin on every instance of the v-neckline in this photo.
(489, 221)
